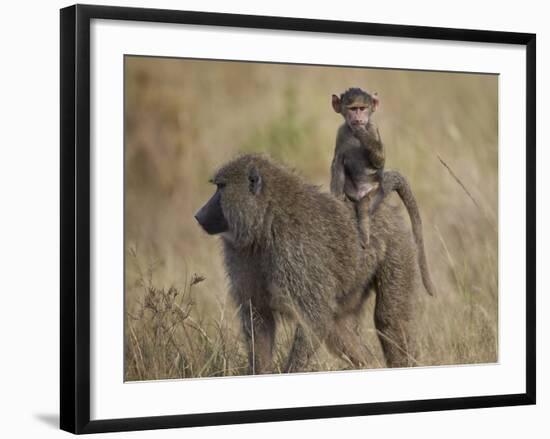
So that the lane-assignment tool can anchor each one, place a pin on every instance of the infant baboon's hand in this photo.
(358, 130)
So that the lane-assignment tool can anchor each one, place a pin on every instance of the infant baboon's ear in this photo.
(375, 101)
(336, 104)
(254, 180)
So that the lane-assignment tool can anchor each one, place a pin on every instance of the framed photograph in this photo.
(268, 218)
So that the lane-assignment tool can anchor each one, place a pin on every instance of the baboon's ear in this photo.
(254, 180)
(375, 101)
(336, 104)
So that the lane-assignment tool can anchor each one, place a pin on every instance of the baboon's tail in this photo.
(394, 181)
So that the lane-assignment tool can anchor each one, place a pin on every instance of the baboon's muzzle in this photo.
(210, 216)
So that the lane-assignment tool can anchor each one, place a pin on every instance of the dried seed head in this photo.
(196, 278)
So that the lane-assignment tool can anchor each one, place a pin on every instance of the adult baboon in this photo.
(291, 249)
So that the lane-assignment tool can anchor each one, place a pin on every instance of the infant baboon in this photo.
(292, 250)
(357, 169)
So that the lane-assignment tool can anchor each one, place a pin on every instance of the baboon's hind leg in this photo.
(393, 313)
(363, 227)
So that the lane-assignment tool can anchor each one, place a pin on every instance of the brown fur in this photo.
(294, 250)
(357, 169)
(357, 173)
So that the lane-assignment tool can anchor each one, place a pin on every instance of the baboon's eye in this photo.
(362, 108)
(218, 184)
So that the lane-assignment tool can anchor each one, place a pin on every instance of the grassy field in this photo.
(184, 118)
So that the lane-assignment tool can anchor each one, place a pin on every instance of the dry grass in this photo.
(184, 118)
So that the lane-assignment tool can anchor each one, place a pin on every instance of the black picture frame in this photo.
(75, 217)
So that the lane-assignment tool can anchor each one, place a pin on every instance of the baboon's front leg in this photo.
(259, 331)
(305, 344)
(315, 320)
(345, 342)
(307, 339)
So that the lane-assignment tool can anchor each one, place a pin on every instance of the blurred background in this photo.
(184, 118)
